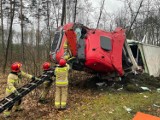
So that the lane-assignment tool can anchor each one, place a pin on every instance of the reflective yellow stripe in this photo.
(6, 113)
(11, 81)
(57, 103)
(63, 103)
(11, 90)
(8, 90)
(61, 83)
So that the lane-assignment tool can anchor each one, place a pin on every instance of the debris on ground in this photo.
(145, 96)
(155, 105)
(158, 90)
(101, 84)
(145, 89)
(127, 109)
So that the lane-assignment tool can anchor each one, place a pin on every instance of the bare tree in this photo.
(101, 10)
(48, 24)
(134, 18)
(56, 12)
(2, 28)
(63, 12)
(22, 38)
(38, 38)
(75, 11)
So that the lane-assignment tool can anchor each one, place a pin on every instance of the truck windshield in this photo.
(55, 41)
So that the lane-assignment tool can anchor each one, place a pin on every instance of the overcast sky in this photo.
(110, 5)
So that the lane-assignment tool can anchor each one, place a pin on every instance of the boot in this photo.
(18, 108)
(43, 101)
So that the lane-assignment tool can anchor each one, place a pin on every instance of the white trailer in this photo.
(147, 56)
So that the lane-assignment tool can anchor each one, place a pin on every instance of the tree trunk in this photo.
(75, 11)
(12, 9)
(63, 12)
(56, 14)
(48, 26)
(101, 10)
(130, 28)
(58, 18)
(22, 38)
(37, 44)
(3, 44)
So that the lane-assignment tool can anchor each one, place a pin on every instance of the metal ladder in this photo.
(24, 90)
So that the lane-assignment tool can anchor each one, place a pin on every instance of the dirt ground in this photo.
(84, 88)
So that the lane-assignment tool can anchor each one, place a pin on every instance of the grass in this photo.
(110, 106)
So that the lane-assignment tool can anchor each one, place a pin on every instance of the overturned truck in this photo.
(94, 50)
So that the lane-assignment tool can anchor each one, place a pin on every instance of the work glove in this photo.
(35, 78)
(16, 93)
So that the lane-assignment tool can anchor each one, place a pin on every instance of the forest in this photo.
(28, 26)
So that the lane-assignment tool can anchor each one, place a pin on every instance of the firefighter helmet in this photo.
(46, 66)
(15, 67)
(62, 62)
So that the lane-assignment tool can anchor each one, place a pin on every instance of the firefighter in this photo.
(47, 84)
(67, 53)
(61, 73)
(13, 82)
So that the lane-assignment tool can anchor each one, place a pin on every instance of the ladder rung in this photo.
(9, 99)
(1, 106)
(32, 83)
(26, 88)
(44, 75)
(49, 71)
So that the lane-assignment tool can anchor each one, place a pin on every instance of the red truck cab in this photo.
(93, 49)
